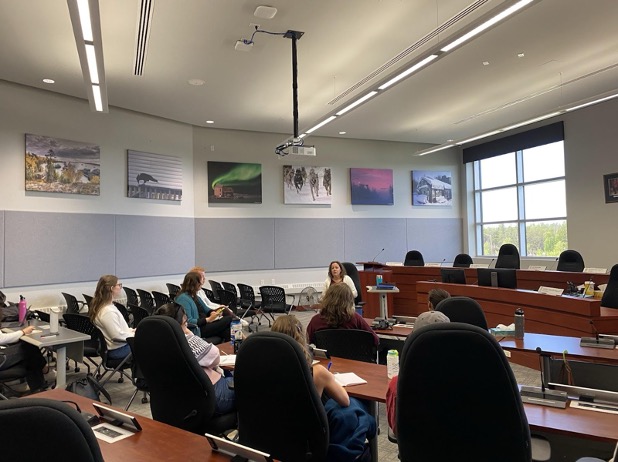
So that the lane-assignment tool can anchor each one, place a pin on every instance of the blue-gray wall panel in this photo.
(153, 246)
(366, 237)
(2, 283)
(52, 248)
(435, 238)
(234, 244)
(308, 243)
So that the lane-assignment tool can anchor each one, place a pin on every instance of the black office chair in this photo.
(284, 415)
(610, 296)
(508, 257)
(58, 429)
(110, 366)
(414, 258)
(228, 298)
(173, 290)
(146, 301)
(248, 306)
(570, 260)
(137, 377)
(132, 298)
(463, 260)
(352, 271)
(181, 393)
(463, 309)
(137, 314)
(232, 288)
(160, 298)
(17, 372)
(215, 287)
(348, 343)
(454, 382)
(274, 300)
(87, 298)
(125, 313)
(210, 295)
(81, 323)
(73, 305)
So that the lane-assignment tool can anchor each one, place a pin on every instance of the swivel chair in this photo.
(463, 260)
(463, 309)
(352, 271)
(570, 260)
(610, 296)
(414, 258)
(508, 257)
(348, 343)
(456, 396)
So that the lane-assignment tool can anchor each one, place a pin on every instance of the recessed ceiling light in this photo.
(210, 121)
(485, 63)
(265, 12)
(196, 82)
(449, 141)
(49, 81)
(342, 133)
(520, 55)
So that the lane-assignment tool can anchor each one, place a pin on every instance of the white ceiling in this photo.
(570, 47)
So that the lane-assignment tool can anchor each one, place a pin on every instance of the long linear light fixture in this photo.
(549, 115)
(439, 52)
(86, 22)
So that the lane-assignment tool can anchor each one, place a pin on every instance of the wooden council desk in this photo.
(156, 441)
(544, 314)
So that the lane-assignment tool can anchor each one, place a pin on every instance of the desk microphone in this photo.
(543, 397)
(377, 255)
(597, 341)
(492, 260)
(555, 265)
(540, 352)
(442, 262)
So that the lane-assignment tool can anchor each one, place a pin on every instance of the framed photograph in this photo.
(154, 176)
(371, 186)
(234, 183)
(432, 188)
(55, 165)
(306, 185)
(611, 187)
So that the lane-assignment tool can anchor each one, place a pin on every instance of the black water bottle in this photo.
(519, 323)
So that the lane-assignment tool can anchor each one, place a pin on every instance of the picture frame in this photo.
(307, 185)
(371, 186)
(432, 188)
(234, 183)
(153, 176)
(610, 183)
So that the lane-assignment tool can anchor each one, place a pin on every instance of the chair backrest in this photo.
(231, 287)
(610, 296)
(215, 287)
(570, 260)
(352, 271)
(463, 309)
(173, 289)
(210, 295)
(348, 343)
(132, 298)
(138, 313)
(247, 295)
(414, 258)
(123, 310)
(54, 425)
(72, 305)
(181, 394)
(160, 298)
(508, 257)
(284, 415)
(228, 298)
(82, 323)
(146, 301)
(273, 299)
(137, 376)
(463, 260)
(454, 382)
(87, 298)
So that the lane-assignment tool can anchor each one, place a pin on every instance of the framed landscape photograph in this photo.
(371, 186)
(234, 183)
(55, 165)
(154, 176)
(306, 185)
(611, 187)
(432, 188)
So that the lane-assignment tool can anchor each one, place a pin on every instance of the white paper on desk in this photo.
(349, 378)
(503, 327)
(550, 290)
(227, 360)
(110, 433)
(595, 270)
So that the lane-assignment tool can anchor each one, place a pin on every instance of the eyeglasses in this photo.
(119, 285)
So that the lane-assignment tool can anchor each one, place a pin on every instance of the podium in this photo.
(367, 277)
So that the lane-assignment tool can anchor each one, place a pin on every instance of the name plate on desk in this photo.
(433, 265)
(479, 265)
(537, 267)
(595, 270)
(550, 290)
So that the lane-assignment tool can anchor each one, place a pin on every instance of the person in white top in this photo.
(108, 319)
(14, 352)
(337, 275)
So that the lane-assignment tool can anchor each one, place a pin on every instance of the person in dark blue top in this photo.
(202, 320)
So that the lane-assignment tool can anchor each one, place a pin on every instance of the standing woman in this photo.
(203, 321)
(108, 319)
(337, 275)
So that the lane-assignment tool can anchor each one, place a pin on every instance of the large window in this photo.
(520, 199)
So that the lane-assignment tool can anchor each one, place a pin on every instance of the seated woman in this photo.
(14, 352)
(207, 356)
(337, 275)
(338, 312)
(348, 421)
(205, 321)
(108, 319)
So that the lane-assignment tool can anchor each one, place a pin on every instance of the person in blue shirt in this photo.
(203, 321)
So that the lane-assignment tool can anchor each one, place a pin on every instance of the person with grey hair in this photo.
(424, 319)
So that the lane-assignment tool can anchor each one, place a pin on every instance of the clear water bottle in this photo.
(236, 333)
(392, 363)
(22, 309)
(519, 323)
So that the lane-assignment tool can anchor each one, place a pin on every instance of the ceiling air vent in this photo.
(142, 35)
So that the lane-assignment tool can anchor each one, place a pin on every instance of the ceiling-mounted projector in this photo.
(302, 150)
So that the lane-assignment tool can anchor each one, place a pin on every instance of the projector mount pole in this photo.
(294, 35)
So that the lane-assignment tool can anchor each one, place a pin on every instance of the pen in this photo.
(329, 364)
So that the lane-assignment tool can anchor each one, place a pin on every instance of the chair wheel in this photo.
(121, 379)
(144, 400)
(76, 370)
